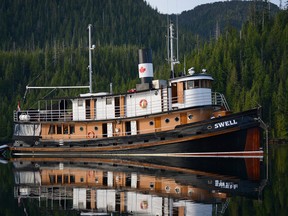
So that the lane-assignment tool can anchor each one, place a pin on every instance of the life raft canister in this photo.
(143, 103)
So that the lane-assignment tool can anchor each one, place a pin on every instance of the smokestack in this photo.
(145, 66)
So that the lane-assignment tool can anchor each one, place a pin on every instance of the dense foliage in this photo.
(225, 14)
(44, 43)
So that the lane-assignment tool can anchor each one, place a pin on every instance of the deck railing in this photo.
(220, 100)
(66, 115)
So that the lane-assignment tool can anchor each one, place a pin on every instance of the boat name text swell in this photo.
(225, 124)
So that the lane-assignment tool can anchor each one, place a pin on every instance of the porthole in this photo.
(177, 119)
(81, 129)
(190, 117)
(177, 190)
(95, 128)
(151, 123)
(167, 120)
(167, 188)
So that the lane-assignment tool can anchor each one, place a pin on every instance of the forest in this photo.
(44, 43)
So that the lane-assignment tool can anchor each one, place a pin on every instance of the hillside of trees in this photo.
(205, 19)
(45, 44)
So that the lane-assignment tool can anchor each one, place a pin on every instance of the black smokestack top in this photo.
(145, 56)
(145, 66)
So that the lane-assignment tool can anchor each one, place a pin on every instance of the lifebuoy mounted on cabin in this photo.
(143, 103)
(91, 134)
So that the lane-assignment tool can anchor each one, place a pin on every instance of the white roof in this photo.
(94, 94)
(192, 77)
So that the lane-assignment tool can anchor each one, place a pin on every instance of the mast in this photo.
(171, 49)
(171, 59)
(91, 47)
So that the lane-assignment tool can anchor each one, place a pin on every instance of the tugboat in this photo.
(176, 117)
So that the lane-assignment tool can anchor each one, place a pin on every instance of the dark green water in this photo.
(274, 197)
(146, 186)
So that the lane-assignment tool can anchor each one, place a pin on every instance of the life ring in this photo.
(144, 204)
(91, 134)
(143, 103)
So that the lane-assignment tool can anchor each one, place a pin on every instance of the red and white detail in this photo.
(143, 103)
(145, 70)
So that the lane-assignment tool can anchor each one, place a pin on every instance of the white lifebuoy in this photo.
(143, 103)
(91, 134)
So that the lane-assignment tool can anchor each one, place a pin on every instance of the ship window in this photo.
(196, 84)
(167, 120)
(151, 123)
(66, 179)
(72, 129)
(52, 179)
(204, 83)
(80, 103)
(59, 129)
(72, 179)
(190, 117)
(65, 129)
(51, 129)
(167, 188)
(108, 101)
(81, 179)
(81, 128)
(190, 84)
(59, 179)
(177, 119)
(95, 128)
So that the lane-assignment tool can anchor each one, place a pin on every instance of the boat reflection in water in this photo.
(163, 186)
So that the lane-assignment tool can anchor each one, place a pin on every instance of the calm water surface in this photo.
(146, 186)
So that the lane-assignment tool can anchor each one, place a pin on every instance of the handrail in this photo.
(219, 99)
(48, 114)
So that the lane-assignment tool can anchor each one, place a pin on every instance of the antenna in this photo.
(91, 47)
(69, 87)
(177, 59)
(184, 65)
(171, 59)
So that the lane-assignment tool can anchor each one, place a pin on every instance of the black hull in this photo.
(234, 133)
(201, 173)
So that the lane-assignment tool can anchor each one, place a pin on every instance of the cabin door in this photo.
(87, 108)
(133, 180)
(158, 124)
(95, 109)
(183, 118)
(110, 179)
(104, 130)
(174, 93)
(109, 129)
(117, 107)
(128, 128)
(133, 127)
